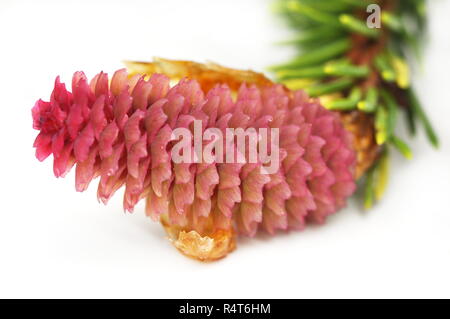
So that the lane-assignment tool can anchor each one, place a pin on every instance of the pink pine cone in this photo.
(122, 132)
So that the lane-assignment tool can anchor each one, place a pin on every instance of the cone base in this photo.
(206, 248)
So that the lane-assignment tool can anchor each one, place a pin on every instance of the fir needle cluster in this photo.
(357, 68)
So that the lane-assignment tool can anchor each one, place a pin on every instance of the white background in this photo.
(55, 242)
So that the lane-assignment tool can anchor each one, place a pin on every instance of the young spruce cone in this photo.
(122, 133)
